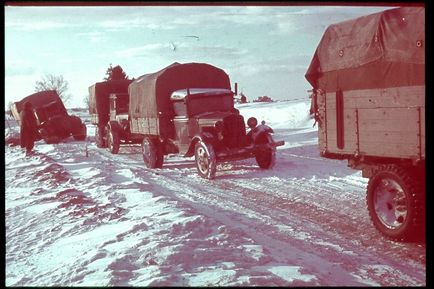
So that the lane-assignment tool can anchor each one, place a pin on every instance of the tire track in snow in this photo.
(225, 198)
(269, 211)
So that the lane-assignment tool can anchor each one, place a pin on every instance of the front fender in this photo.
(204, 136)
(259, 134)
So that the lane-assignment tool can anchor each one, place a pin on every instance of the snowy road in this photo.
(105, 220)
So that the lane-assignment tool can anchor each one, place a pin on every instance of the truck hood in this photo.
(209, 118)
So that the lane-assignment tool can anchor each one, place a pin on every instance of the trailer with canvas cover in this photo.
(188, 109)
(368, 98)
(54, 122)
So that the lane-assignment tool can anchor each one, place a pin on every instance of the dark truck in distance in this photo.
(53, 120)
(188, 109)
(368, 78)
(108, 107)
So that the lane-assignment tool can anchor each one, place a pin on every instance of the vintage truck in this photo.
(53, 120)
(188, 109)
(108, 107)
(368, 79)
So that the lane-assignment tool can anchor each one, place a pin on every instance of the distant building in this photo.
(243, 98)
(263, 99)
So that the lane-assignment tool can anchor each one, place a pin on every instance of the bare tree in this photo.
(53, 82)
(9, 109)
(86, 100)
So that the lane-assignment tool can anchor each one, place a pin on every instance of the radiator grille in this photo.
(234, 133)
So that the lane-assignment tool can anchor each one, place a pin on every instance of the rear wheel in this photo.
(205, 160)
(152, 153)
(395, 200)
(266, 153)
(113, 142)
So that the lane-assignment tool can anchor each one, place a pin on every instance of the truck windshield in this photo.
(210, 103)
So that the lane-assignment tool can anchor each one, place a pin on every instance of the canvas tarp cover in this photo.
(150, 93)
(40, 99)
(385, 49)
(99, 94)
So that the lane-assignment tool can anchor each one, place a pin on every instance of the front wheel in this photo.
(266, 153)
(82, 133)
(113, 142)
(153, 156)
(395, 201)
(205, 160)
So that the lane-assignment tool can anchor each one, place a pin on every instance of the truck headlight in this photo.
(219, 126)
(252, 122)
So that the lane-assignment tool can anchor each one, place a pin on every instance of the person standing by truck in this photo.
(28, 128)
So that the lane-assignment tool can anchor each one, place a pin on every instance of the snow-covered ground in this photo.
(105, 220)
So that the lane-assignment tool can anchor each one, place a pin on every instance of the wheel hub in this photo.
(390, 203)
(146, 152)
(202, 160)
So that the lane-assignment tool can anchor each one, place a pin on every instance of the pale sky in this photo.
(265, 49)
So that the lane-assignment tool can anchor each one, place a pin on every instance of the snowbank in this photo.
(279, 115)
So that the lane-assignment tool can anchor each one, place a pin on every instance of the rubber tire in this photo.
(266, 157)
(113, 141)
(205, 160)
(152, 154)
(99, 137)
(413, 226)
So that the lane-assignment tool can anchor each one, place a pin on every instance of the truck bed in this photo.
(386, 122)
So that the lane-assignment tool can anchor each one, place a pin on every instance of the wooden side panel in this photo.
(322, 130)
(407, 96)
(350, 127)
(397, 139)
(350, 132)
(378, 122)
(148, 126)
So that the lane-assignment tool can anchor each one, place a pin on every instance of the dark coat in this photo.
(29, 129)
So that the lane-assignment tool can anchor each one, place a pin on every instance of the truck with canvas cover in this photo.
(54, 122)
(188, 109)
(108, 107)
(368, 79)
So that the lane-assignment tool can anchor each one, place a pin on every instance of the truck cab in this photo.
(118, 106)
(200, 111)
(118, 130)
(54, 122)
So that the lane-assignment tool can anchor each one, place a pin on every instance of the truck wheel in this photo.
(113, 142)
(395, 203)
(266, 154)
(205, 160)
(152, 153)
(82, 134)
(99, 137)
